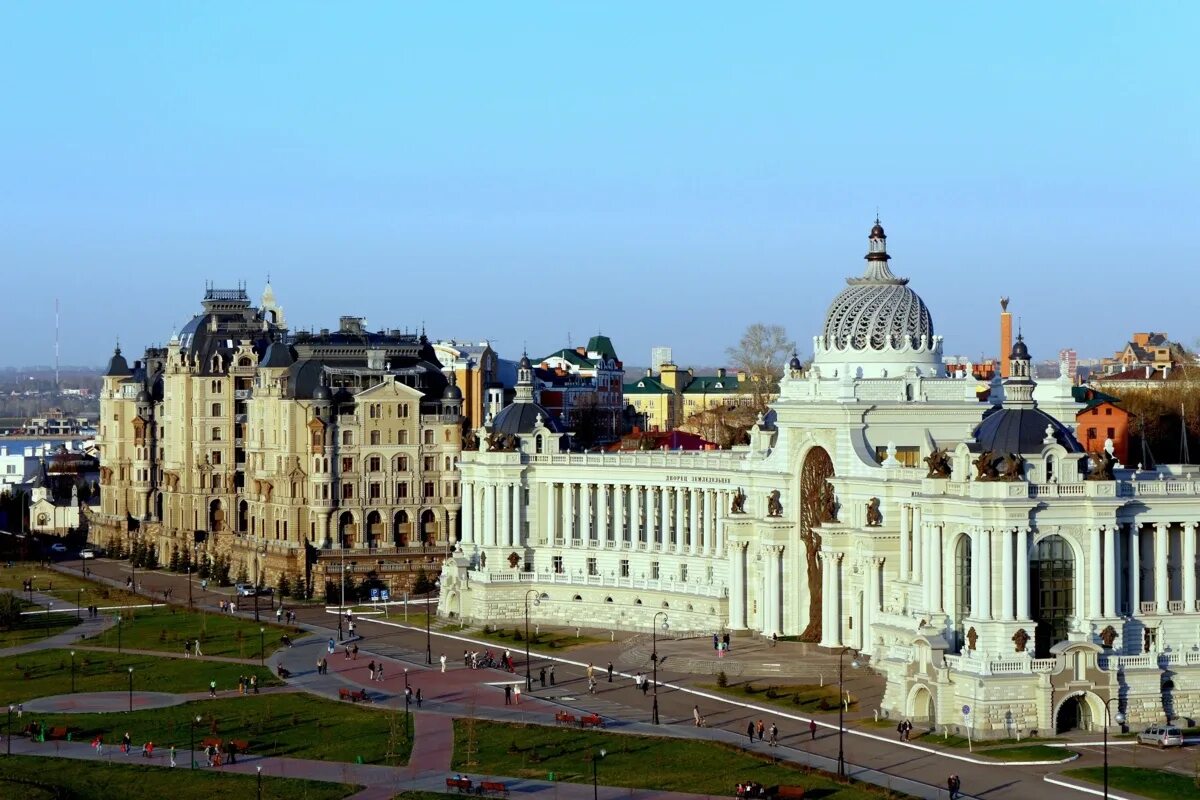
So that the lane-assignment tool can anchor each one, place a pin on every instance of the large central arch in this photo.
(816, 506)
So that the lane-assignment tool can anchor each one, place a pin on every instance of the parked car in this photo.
(87, 552)
(243, 590)
(58, 547)
(1161, 735)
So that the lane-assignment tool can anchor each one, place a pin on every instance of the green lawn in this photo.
(34, 778)
(639, 762)
(166, 629)
(35, 627)
(799, 697)
(290, 724)
(1145, 782)
(961, 743)
(514, 638)
(66, 587)
(48, 672)
(1027, 752)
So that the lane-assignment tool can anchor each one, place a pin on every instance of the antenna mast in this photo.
(56, 383)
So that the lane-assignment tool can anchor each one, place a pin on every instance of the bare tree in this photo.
(761, 355)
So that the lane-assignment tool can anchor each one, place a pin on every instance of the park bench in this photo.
(242, 746)
(563, 718)
(211, 741)
(461, 784)
(58, 733)
(493, 787)
(591, 721)
(795, 792)
(356, 697)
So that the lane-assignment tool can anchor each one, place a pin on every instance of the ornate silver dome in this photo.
(877, 311)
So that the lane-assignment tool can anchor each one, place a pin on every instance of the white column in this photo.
(1022, 573)
(985, 575)
(918, 551)
(694, 520)
(518, 538)
(1095, 587)
(721, 510)
(905, 538)
(569, 529)
(937, 578)
(489, 515)
(706, 531)
(619, 517)
(1110, 571)
(468, 513)
(664, 519)
(1006, 574)
(1189, 566)
(503, 515)
(838, 615)
(827, 599)
(551, 512)
(635, 518)
(603, 512)
(585, 513)
(1160, 567)
(680, 520)
(737, 585)
(1135, 570)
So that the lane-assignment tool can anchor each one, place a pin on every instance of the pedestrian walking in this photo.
(354, 653)
(542, 677)
(774, 639)
(761, 728)
(172, 753)
(418, 697)
(147, 749)
(187, 648)
(696, 716)
(371, 669)
(953, 786)
(212, 688)
(750, 731)
(98, 743)
(645, 685)
(254, 684)
(517, 694)
(126, 743)
(610, 671)
(379, 671)
(279, 614)
(716, 642)
(195, 646)
(812, 729)
(443, 661)
(331, 647)
(591, 685)
(551, 674)
(508, 694)
(774, 740)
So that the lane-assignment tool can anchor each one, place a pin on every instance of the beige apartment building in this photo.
(299, 453)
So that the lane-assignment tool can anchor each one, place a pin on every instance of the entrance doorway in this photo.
(1074, 715)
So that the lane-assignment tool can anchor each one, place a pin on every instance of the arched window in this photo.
(1052, 591)
(347, 438)
(374, 437)
(538, 444)
(428, 436)
(216, 409)
(962, 586)
(577, 599)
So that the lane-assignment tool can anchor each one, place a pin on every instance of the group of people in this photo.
(228, 606)
(247, 685)
(770, 734)
(375, 670)
(281, 614)
(127, 747)
(641, 682)
(473, 660)
(191, 647)
(721, 644)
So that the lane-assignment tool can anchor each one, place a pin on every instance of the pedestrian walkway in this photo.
(87, 627)
(127, 651)
(106, 702)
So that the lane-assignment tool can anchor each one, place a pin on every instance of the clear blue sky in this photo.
(664, 172)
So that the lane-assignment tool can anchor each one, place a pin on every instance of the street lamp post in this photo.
(49, 606)
(406, 695)
(536, 601)
(131, 689)
(189, 576)
(9, 730)
(118, 633)
(262, 647)
(72, 672)
(1120, 719)
(654, 658)
(79, 603)
(256, 590)
(258, 769)
(841, 760)
(595, 761)
(192, 747)
(428, 635)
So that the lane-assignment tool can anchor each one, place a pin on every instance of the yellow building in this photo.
(288, 453)
(665, 402)
(476, 371)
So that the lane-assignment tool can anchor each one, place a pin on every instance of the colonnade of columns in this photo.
(493, 515)
(665, 519)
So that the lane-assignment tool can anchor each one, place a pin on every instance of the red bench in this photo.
(796, 792)
(356, 697)
(563, 718)
(493, 787)
(591, 721)
(463, 785)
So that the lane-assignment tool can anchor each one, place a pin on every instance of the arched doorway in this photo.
(1052, 592)
(962, 589)
(817, 505)
(920, 705)
(1075, 714)
(347, 530)
(216, 517)
(158, 506)
(374, 529)
(429, 527)
(401, 529)
(243, 515)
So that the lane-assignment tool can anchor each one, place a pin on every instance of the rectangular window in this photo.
(216, 457)
(403, 437)
(591, 567)
(375, 491)
(375, 463)
(428, 436)
(402, 464)
(374, 437)
(1111, 433)
(558, 564)
(347, 491)
(683, 572)
(654, 570)
(401, 491)
(216, 434)
(428, 489)
(624, 567)
(429, 463)
(347, 465)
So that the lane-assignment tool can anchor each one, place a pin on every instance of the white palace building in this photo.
(968, 547)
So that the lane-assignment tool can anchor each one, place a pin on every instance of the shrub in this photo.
(748, 688)
(772, 692)
(722, 679)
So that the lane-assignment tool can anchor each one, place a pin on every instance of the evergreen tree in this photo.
(285, 586)
(173, 564)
